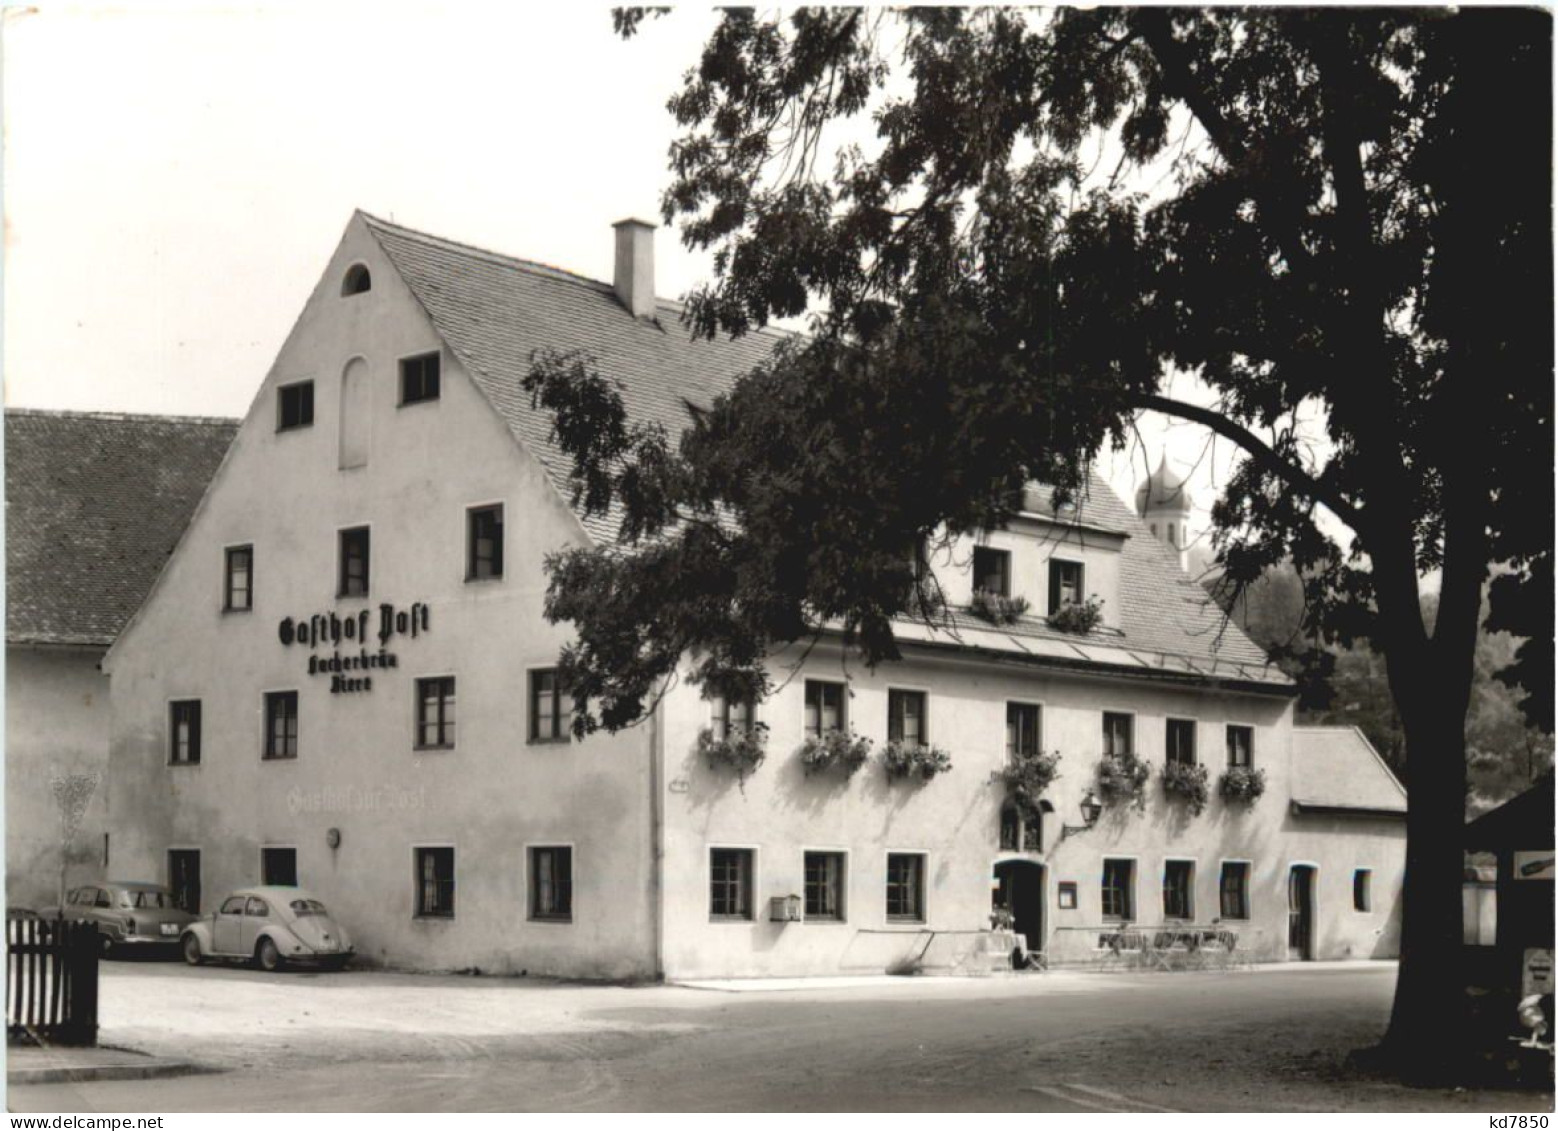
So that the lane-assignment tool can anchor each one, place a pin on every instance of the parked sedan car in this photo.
(129, 915)
(270, 926)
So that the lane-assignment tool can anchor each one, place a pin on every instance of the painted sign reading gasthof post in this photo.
(331, 630)
(1534, 865)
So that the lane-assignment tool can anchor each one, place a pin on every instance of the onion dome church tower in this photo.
(1164, 503)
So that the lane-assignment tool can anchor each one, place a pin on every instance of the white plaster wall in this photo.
(955, 819)
(56, 719)
(490, 797)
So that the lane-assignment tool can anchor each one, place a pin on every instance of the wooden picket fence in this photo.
(51, 981)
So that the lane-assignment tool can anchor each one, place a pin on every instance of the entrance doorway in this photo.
(1020, 889)
(184, 878)
(1301, 912)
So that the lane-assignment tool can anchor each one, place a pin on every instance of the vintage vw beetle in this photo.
(271, 927)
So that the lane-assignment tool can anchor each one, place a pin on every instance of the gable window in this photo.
(483, 543)
(1179, 881)
(906, 717)
(294, 405)
(551, 707)
(279, 867)
(435, 883)
(906, 887)
(824, 885)
(1118, 734)
(1180, 742)
(551, 884)
(824, 707)
(238, 579)
(993, 571)
(731, 716)
(357, 281)
(184, 732)
(1234, 890)
(1119, 889)
(1360, 889)
(1241, 746)
(730, 883)
(281, 724)
(435, 713)
(354, 562)
(1022, 730)
(419, 378)
(1065, 584)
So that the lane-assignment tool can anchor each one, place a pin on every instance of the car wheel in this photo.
(268, 957)
(192, 953)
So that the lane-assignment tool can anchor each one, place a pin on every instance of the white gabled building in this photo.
(343, 679)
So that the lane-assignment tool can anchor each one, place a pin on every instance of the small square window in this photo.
(294, 405)
(906, 887)
(1065, 584)
(1360, 889)
(419, 378)
(1179, 889)
(824, 707)
(1234, 890)
(993, 571)
(238, 579)
(279, 867)
(1180, 742)
(730, 883)
(354, 562)
(1119, 734)
(484, 543)
(435, 883)
(435, 713)
(184, 732)
(1241, 746)
(551, 884)
(1066, 895)
(1119, 889)
(906, 717)
(551, 707)
(281, 724)
(824, 885)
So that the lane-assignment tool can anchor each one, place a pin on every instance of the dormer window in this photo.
(357, 281)
(1065, 584)
(993, 571)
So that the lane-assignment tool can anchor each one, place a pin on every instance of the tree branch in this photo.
(1295, 477)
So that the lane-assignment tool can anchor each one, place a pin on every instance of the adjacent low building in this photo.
(343, 679)
(95, 503)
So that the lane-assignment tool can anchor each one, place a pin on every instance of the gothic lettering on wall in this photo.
(332, 630)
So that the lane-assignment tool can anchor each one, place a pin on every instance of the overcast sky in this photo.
(176, 177)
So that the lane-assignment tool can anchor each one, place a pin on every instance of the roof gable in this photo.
(95, 503)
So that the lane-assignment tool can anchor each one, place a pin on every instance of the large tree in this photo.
(1332, 214)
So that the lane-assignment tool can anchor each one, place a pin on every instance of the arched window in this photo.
(1172, 541)
(357, 280)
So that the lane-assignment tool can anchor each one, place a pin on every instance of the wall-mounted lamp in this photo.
(1092, 808)
(333, 838)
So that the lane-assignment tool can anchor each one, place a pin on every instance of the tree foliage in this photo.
(992, 310)
(1339, 214)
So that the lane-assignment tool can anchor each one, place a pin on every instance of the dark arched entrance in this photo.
(1301, 912)
(1020, 889)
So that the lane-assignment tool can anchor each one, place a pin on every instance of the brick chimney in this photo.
(634, 279)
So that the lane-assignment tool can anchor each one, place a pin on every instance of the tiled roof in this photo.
(1338, 767)
(493, 311)
(95, 503)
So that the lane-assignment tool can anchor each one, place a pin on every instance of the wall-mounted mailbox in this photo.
(784, 909)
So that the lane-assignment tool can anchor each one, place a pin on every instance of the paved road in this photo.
(1266, 1040)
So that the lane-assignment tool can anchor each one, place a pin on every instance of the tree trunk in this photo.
(1428, 1030)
